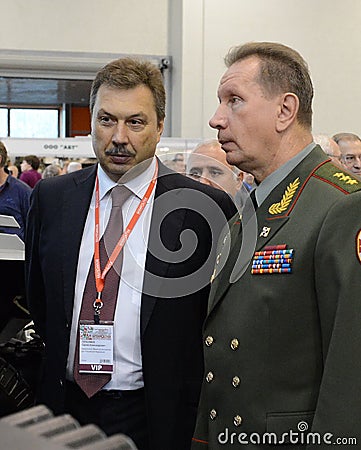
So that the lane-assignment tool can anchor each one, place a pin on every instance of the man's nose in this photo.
(120, 135)
(218, 120)
(205, 180)
(357, 161)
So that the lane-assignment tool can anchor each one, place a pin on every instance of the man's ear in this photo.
(289, 105)
(240, 177)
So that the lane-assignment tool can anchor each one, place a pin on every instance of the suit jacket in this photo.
(171, 339)
(282, 349)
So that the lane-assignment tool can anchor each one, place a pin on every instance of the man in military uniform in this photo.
(282, 335)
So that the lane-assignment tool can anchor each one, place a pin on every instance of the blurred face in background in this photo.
(208, 164)
(25, 166)
(13, 170)
(351, 155)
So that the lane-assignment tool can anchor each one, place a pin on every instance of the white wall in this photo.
(111, 26)
(197, 34)
(326, 33)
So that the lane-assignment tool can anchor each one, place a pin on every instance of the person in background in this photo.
(248, 181)
(13, 171)
(169, 163)
(350, 146)
(179, 164)
(14, 197)
(73, 166)
(154, 295)
(64, 166)
(330, 147)
(29, 170)
(282, 334)
(207, 163)
(52, 170)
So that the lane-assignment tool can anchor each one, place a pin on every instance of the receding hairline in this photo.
(211, 144)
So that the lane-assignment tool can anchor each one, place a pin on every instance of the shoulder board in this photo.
(332, 174)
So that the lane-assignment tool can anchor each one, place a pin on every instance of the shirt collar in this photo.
(137, 185)
(270, 182)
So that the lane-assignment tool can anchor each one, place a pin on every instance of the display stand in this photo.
(11, 246)
(12, 256)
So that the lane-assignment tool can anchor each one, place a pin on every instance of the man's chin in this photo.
(129, 171)
(116, 171)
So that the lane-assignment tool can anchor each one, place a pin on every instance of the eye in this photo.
(215, 173)
(195, 173)
(106, 120)
(136, 124)
(234, 99)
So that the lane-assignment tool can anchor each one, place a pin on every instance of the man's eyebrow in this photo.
(215, 168)
(131, 116)
(103, 111)
(138, 114)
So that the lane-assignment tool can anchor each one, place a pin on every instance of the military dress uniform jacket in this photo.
(282, 347)
(171, 328)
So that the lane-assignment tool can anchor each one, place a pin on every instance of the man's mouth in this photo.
(120, 159)
(119, 155)
(225, 144)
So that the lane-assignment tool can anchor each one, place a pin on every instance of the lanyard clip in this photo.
(97, 305)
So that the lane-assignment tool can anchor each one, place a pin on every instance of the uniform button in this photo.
(236, 381)
(212, 414)
(209, 341)
(234, 344)
(61, 383)
(209, 377)
(237, 420)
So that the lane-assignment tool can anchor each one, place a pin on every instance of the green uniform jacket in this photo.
(282, 350)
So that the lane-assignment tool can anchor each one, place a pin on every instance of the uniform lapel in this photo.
(271, 216)
(76, 202)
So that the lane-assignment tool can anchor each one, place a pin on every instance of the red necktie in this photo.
(91, 383)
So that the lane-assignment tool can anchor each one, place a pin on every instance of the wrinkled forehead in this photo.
(350, 147)
(245, 69)
(206, 161)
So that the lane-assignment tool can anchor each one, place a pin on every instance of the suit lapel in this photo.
(76, 202)
(156, 269)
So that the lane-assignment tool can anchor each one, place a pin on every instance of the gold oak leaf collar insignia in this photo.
(280, 207)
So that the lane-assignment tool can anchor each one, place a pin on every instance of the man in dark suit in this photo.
(282, 334)
(165, 261)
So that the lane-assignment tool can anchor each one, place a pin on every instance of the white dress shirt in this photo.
(127, 350)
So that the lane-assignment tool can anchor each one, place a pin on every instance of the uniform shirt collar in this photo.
(269, 183)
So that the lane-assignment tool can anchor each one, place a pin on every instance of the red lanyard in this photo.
(99, 275)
